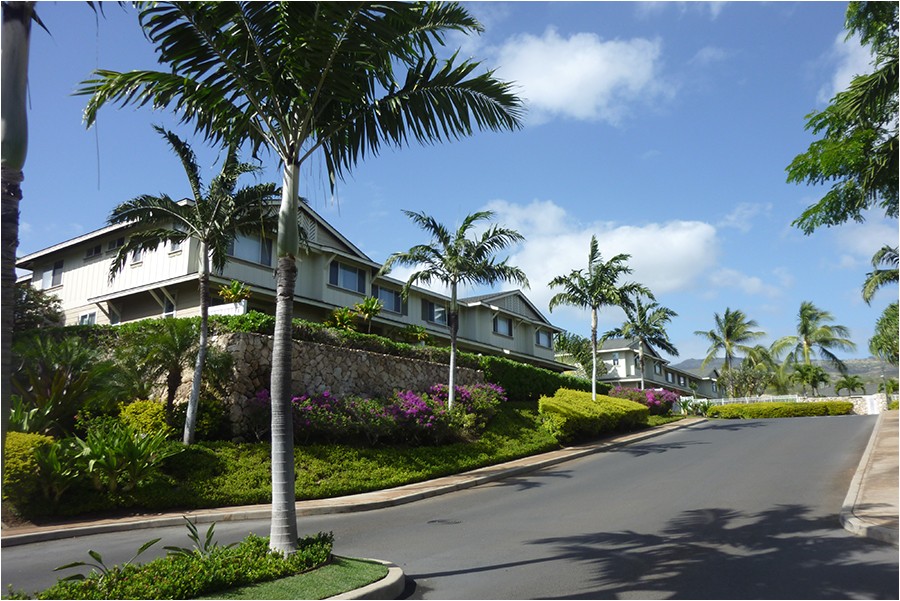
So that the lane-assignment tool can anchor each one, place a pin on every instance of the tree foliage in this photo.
(884, 343)
(35, 308)
(857, 151)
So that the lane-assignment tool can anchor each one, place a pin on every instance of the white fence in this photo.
(868, 404)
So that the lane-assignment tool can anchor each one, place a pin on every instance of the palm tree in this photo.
(733, 330)
(647, 325)
(453, 259)
(573, 350)
(815, 334)
(878, 277)
(884, 342)
(594, 288)
(301, 78)
(810, 375)
(215, 218)
(17, 18)
(849, 383)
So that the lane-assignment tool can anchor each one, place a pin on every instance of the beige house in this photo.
(334, 273)
(621, 357)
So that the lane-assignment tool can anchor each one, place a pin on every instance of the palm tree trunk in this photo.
(594, 354)
(283, 529)
(641, 363)
(190, 420)
(453, 322)
(15, 47)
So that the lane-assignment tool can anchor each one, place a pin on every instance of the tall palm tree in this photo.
(879, 277)
(849, 383)
(733, 330)
(15, 39)
(596, 287)
(646, 324)
(453, 259)
(816, 335)
(303, 78)
(215, 218)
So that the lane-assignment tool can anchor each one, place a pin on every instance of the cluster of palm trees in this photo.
(787, 361)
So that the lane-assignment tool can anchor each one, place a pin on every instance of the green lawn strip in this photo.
(341, 575)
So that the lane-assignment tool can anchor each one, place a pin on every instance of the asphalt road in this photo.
(721, 510)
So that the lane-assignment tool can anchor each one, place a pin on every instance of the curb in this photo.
(389, 587)
(849, 520)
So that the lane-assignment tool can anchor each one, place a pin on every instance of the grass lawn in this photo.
(341, 575)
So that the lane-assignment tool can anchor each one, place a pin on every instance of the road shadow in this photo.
(650, 448)
(729, 424)
(531, 480)
(715, 553)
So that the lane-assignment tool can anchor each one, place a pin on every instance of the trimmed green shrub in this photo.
(571, 415)
(20, 466)
(146, 417)
(524, 382)
(769, 410)
(893, 405)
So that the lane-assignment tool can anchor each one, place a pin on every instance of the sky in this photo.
(662, 128)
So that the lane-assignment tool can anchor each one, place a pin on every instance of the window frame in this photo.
(395, 296)
(54, 278)
(337, 267)
(537, 338)
(430, 311)
(508, 321)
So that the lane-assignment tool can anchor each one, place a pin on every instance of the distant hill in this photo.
(869, 370)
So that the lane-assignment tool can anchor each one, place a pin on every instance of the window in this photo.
(391, 299)
(93, 251)
(670, 377)
(347, 277)
(88, 319)
(657, 368)
(52, 277)
(615, 358)
(169, 309)
(137, 255)
(715, 387)
(681, 380)
(251, 248)
(114, 244)
(434, 313)
(503, 326)
(174, 246)
(542, 338)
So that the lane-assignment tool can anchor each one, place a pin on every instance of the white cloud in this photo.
(741, 216)
(731, 278)
(708, 55)
(649, 9)
(859, 241)
(666, 257)
(582, 76)
(852, 59)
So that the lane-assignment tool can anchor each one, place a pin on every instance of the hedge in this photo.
(524, 382)
(767, 410)
(571, 415)
(20, 466)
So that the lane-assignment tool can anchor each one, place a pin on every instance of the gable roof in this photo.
(621, 344)
(511, 301)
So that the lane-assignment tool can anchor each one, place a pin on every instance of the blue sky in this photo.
(663, 128)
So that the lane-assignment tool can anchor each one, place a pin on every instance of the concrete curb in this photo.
(389, 587)
(849, 520)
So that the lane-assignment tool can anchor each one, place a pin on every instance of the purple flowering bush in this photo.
(658, 401)
(406, 417)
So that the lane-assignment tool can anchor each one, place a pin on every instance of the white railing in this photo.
(766, 398)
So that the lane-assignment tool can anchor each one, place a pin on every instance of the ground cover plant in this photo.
(188, 573)
(769, 410)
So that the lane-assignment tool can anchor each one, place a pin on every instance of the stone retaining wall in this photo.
(319, 367)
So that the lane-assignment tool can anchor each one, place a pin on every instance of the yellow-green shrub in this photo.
(769, 410)
(20, 468)
(572, 415)
(146, 417)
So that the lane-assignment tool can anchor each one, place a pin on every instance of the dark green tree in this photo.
(815, 335)
(884, 343)
(857, 151)
(35, 308)
(595, 287)
(453, 258)
(215, 216)
(306, 79)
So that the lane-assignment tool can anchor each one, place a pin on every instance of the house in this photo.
(332, 273)
(622, 359)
